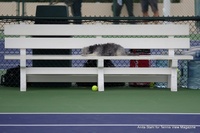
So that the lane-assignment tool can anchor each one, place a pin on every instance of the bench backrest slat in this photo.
(62, 30)
(77, 43)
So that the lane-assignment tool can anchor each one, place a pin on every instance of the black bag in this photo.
(93, 63)
(11, 77)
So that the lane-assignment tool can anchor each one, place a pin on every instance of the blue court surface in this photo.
(99, 123)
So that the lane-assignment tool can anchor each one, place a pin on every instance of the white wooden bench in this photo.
(98, 34)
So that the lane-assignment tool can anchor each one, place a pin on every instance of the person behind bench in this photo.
(76, 6)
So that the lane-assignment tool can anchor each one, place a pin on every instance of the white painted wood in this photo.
(171, 52)
(135, 78)
(174, 63)
(94, 70)
(61, 70)
(23, 69)
(79, 57)
(100, 74)
(132, 70)
(174, 79)
(22, 57)
(63, 30)
(78, 43)
(61, 78)
(169, 81)
(93, 78)
(98, 34)
(23, 81)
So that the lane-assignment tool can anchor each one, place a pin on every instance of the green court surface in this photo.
(116, 99)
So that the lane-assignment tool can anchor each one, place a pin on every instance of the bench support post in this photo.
(23, 70)
(23, 79)
(169, 81)
(100, 75)
(173, 82)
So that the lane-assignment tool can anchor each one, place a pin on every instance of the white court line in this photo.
(97, 113)
(99, 125)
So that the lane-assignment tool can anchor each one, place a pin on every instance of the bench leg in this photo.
(100, 80)
(22, 79)
(22, 70)
(100, 75)
(169, 81)
(174, 80)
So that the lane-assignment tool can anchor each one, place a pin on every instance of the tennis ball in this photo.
(151, 85)
(94, 88)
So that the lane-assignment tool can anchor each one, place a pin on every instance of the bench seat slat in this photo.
(63, 30)
(61, 70)
(136, 70)
(91, 70)
(77, 43)
(79, 57)
(93, 78)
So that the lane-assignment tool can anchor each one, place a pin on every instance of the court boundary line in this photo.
(94, 125)
(122, 113)
(135, 126)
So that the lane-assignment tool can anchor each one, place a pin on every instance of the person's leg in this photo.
(154, 7)
(144, 5)
(76, 10)
(117, 11)
(129, 7)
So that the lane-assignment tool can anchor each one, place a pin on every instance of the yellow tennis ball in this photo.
(151, 85)
(94, 88)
